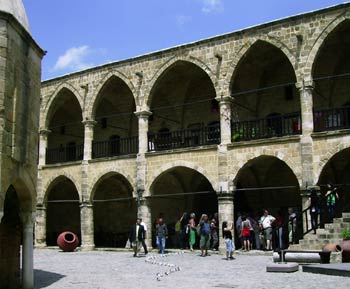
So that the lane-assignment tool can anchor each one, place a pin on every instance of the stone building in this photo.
(20, 77)
(237, 122)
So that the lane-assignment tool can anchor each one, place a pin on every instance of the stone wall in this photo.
(222, 66)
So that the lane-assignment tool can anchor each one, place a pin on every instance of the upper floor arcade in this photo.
(288, 77)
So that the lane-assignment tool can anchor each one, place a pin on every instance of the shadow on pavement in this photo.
(43, 279)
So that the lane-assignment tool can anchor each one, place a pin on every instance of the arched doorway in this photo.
(66, 138)
(117, 128)
(178, 190)
(184, 108)
(266, 101)
(331, 75)
(267, 182)
(114, 211)
(337, 172)
(10, 241)
(63, 210)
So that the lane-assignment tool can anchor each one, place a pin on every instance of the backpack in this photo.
(205, 230)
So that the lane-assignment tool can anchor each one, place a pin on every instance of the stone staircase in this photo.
(332, 233)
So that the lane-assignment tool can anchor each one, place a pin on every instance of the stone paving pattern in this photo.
(107, 270)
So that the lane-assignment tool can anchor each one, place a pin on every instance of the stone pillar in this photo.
(144, 212)
(27, 251)
(87, 226)
(43, 136)
(40, 226)
(306, 142)
(226, 212)
(225, 119)
(143, 130)
(88, 138)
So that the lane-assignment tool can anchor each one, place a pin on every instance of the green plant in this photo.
(346, 234)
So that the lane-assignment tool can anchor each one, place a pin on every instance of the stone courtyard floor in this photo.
(110, 270)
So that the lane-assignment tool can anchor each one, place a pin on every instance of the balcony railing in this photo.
(192, 137)
(271, 126)
(65, 154)
(115, 147)
(331, 119)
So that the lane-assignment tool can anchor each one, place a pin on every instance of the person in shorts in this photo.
(227, 232)
(204, 235)
(265, 222)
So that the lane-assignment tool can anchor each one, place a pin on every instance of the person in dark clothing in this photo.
(314, 209)
(227, 230)
(137, 236)
(162, 235)
(331, 200)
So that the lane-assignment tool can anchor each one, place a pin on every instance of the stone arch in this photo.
(237, 57)
(114, 208)
(107, 173)
(185, 164)
(94, 99)
(51, 182)
(50, 104)
(332, 150)
(24, 193)
(168, 64)
(316, 47)
(284, 157)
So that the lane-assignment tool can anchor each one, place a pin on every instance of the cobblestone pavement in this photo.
(110, 270)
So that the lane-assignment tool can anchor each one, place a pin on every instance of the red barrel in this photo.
(67, 241)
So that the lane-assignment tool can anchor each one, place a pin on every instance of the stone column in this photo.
(225, 119)
(306, 142)
(88, 138)
(144, 212)
(43, 136)
(226, 212)
(27, 250)
(40, 226)
(87, 226)
(143, 130)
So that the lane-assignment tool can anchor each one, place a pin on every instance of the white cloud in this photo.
(74, 59)
(181, 20)
(212, 6)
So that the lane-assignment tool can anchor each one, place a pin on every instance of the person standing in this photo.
(214, 233)
(162, 235)
(331, 199)
(265, 222)
(145, 236)
(204, 235)
(314, 204)
(246, 226)
(137, 236)
(192, 228)
(227, 232)
(292, 225)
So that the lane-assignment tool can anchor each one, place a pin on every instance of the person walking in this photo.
(137, 236)
(331, 200)
(144, 238)
(162, 235)
(204, 235)
(192, 229)
(227, 232)
(314, 204)
(265, 222)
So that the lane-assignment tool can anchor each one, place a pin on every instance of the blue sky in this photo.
(83, 33)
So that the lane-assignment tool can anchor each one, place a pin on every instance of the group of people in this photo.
(266, 231)
(252, 232)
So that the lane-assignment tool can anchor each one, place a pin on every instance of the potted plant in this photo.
(346, 246)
